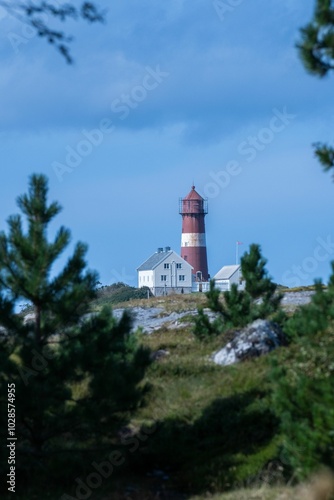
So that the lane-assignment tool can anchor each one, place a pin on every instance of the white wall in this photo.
(173, 273)
(145, 278)
(225, 285)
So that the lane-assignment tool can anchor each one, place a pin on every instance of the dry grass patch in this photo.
(319, 487)
(170, 303)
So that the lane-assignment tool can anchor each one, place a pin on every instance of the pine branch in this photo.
(325, 155)
(33, 14)
(316, 47)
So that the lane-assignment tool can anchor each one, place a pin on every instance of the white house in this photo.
(165, 272)
(227, 276)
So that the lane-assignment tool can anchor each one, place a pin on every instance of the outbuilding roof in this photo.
(226, 272)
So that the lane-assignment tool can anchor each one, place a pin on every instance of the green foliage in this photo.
(303, 396)
(255, 274)
(203, 327)
(259, 284)
(303, 401)
(314, 317)
(316, 50)
(239, 307)
(325, 155)
(126, 293)
(38, 15)
(317, 40)
(76, 377)
(118, 293)
(215, 427)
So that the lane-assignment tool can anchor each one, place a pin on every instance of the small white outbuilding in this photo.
(227, 276)
(165, 272)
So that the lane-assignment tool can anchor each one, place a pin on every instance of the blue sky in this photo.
(164, 94)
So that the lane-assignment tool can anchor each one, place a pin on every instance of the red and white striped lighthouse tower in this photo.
(193, 209)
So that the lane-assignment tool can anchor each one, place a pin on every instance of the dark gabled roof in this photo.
(154, 260)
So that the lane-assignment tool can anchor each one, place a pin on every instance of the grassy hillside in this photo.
(215, 426)
(204, 431)
(120, 295)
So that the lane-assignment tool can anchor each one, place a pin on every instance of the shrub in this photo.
(239, 307)
(120, 292)
(303, 376)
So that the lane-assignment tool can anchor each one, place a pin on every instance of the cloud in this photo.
(217, 80)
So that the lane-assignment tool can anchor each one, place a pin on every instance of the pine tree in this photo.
(75, 377)
(317, 40)
(316, 49)
(239, 307)
(303, 381)
(259, 284)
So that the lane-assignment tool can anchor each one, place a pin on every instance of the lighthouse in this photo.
(193, 209)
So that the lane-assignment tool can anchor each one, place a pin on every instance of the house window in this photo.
(163, 277)
(182, 277)
(178, 265)
(166, 266)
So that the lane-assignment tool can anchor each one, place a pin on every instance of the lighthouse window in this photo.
(166, 266)
(178, 265)
(163, 277)
(182, 277)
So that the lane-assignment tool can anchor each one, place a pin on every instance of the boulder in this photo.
(159, 354)
(256, 339)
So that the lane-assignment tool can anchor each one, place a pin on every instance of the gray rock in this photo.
(159, 354)
(256, 339)
(154, 318)
(298, 298)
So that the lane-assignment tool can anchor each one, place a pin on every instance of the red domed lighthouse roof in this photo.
(193, 195)
(193, 203)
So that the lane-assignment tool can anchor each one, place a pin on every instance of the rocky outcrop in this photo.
(151, 319)
(256, 339)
